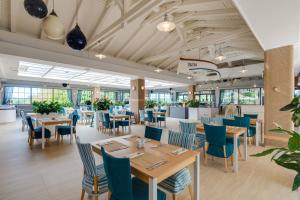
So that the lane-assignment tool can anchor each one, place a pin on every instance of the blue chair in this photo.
(94, 180)
(121, 185)
(109, 124)
(252, 128)
(232, 122)
(251, 116)
(153, 133)
(66, 129)
(125, 123)
(24, 121)
(181, 179)
(162, 118)
(150, 117)
(142, 116)
(190, 128)
(36, 133)
(101, 121)
(245, 122)
(217, 144)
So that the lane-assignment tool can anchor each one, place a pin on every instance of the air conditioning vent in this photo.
(212, 74)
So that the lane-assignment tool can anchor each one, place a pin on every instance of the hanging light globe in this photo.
(76, 39)
(166, 25)
(36, 8)
(53, 27)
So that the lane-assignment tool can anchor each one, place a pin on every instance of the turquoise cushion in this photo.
(230, 140)
(218, 151)
(124, 123)
(38, 133)
(177, 182)
(140, 191)
(252, 131)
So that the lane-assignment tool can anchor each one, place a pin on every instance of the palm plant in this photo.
(289, 157)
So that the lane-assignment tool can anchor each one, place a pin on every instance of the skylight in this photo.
(29, 69)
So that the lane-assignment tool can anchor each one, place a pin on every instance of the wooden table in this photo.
(156, 114)
(154, 176)
(86, 113)
(120, 117)
(54, 121)
(234, 132)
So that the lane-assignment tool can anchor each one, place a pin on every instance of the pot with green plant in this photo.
(150, 104)
(288, 157)
(193, 106)
(46, 107)
(101, 105)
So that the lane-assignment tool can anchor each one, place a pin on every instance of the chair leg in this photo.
(204, 152)
(96, 187)
(191, 191)
(174, 196)
(108, 195)
(225, 159)
(231, 158)
(239, 150)
(82, 194)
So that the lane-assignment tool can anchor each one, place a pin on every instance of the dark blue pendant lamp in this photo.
(36, 8)
(75, 38)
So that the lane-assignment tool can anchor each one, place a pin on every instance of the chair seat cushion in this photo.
(140, 191)
(252, 131)
(124, 123)
(177, 182)
(230, 140)
(88, 181)
(161, 118)
(63, 130)
(218, 151)
(38, 133)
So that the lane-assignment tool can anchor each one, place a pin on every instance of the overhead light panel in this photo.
(158, 70)
(166, 25)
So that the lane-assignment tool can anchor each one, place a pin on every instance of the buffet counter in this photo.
(197, 113)
(179, 112)
(7, 114)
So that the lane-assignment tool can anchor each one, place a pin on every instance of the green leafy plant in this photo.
(102, 104)
(150, 103)
(193, 103)
(67, 104)
(46, 107)
(288, 157)
(118, 103)
(88, 102)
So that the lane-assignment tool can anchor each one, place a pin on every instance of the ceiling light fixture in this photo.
(53, 27)
(166, 25)
(100, 56)
(189, 77)
(158, 70)
(220, 56)
(244, 70)
(36, 8)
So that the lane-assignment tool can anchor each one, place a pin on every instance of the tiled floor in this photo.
(56, 172)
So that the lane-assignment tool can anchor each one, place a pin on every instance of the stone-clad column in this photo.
(137, 96)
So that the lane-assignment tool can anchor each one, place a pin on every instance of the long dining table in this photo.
(144, 161)
(234, 132)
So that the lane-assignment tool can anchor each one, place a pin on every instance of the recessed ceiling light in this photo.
(189, 77)
(100, 56)
(158, 70)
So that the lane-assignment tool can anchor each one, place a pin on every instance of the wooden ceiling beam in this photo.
(143, 8)
(202, 42)
(214, 13)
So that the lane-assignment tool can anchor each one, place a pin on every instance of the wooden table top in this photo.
(87, 112)
(119, 116)
(152, 150)
(50, 121)
(230, 130)
(159, 113)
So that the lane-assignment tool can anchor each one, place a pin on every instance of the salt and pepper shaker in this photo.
(141, 143)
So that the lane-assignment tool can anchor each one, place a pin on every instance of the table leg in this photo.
(114, 127)
(197, 178)
(152, 189)
(258, 134)
(129, 126)
(245, 147)
(235, 153)
(43, 137)
(71, 136)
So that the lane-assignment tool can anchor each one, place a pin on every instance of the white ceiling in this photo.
(127, 29)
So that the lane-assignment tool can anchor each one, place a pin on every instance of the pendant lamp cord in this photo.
(53, 4)
(77, 5)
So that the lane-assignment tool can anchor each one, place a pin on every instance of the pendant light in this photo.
(244, 70)
(53, 27)
(75, 38)
(166, 25)
(219, 55)
(36, 8)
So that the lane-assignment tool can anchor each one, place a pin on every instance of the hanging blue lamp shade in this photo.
(36, 8)
(76, 39)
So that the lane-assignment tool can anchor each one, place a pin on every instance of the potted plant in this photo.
(150, 104)
(193, 106)
(67, 104)
(101, 105)
(46, 107)
(288, 157)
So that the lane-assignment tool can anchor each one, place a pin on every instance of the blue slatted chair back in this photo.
(150, 117)
(29, 122)
(243, 121)
(77, 112)
(129, 113)
(142, 115)
(215, 135)
(251, 116)
(153, 133)
(163, 110)
(230, 122)
(182, 140)
(187, 127)
(119, 183)
(217, 121)
(206, 120)
(87, 158)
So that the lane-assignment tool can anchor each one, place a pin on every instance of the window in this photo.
(161, 97)
(249, 96)
(229, 97)
(17, 95)
(206, 97)
(61, 96)
(42, 94)
(85, 95)
(182, 96)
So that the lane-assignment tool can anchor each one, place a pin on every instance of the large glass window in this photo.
(249, 96)
(242, 96)
(229, 97)
(182, 96)
(86, 95)
(42, 94)
(161, 97)
(17, 95)
(206, 97)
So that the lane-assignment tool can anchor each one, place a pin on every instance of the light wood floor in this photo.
(56, 172)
